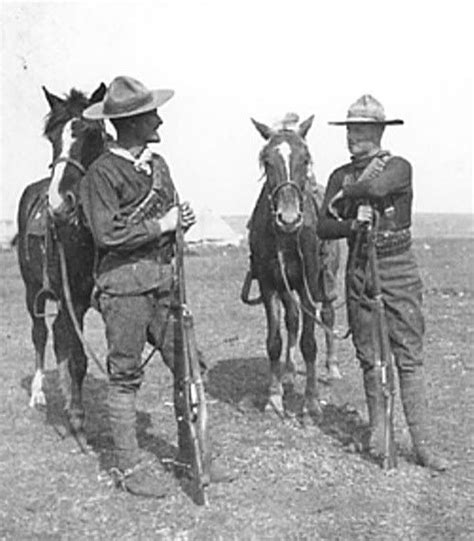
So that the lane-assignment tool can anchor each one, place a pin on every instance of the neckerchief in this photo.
(142, 163)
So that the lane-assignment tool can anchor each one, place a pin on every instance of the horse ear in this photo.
(305, 126)
(265, 131)
(98, 94)
(53, 100)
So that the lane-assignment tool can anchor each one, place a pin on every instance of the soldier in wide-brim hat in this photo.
(129, 201)
(377, 183)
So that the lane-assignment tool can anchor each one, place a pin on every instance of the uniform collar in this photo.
(364, 161)
(142, 163)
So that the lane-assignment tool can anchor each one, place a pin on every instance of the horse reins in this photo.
(299, 304)
(281, 262)
(85, 344)
(71, 161)
(272, 197)
(70, 308)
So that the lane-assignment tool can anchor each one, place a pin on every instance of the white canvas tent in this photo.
(211, 229)
(7, 233)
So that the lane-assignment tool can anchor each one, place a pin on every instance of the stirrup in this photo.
(46, 293)
(244, 294)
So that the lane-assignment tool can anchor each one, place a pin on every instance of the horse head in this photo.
(286, 159)
(76, 142)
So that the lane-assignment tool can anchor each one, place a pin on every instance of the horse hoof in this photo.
(334, 373)
(275, 405)
(38, 398)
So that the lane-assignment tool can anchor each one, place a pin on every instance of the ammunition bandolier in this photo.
(384, 182)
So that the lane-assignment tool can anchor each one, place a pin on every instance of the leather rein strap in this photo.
(70, 161)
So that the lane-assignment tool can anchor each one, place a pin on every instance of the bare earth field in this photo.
(295, 482)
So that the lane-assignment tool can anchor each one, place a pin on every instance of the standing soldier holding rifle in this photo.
(132, 209)
(369, 202)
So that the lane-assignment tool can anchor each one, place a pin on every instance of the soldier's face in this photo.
(146, 127)
(363, 139)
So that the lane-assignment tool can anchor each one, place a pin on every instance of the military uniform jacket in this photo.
(133, 256)
(390, 193)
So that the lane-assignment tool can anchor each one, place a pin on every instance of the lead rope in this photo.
(312, 301)
(70, 308)
(299, 304)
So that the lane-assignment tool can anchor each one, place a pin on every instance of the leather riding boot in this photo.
(131, 474)
(415, 406)
(375, 407)
(122, 416)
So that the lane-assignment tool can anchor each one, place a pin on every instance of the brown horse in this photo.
(286, 261)
(50, 224)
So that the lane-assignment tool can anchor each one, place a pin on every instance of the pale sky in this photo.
(231, 60)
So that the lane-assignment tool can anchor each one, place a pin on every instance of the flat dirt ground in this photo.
(295, 482)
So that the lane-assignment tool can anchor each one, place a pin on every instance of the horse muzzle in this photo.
(67, 210)
(287, 207)
(288, 222)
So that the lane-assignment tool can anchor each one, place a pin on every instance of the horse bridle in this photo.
(273, 204)
(69, 195)
(71, 161)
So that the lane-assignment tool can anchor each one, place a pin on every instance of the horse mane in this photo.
(72, 105)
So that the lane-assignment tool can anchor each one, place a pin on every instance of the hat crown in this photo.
(288, 122)
(366, 110)
(127, 97)
(367, 107)
(291, 118)
(126, 94)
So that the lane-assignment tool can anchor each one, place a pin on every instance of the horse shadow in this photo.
(98, 434)
(243, 383)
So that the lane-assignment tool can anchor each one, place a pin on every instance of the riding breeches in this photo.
(131, 321)
(402, 297)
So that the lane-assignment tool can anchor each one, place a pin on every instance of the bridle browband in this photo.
(71, 161)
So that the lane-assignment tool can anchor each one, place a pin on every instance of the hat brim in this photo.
(160, 97)
(364, 120)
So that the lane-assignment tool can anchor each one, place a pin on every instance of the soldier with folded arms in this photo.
(376, 188)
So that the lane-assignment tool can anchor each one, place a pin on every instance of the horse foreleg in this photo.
(274, 346)
(72, 366)
(328, 316)
(39, 335)
(309, 351)
(291, 322)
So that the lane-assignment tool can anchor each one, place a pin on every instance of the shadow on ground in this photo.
(243, 383)
(97, 428)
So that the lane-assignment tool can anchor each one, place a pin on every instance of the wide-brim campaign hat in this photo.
(366, 110)
(126, 97)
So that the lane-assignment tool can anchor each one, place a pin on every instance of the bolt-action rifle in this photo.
(189, 396)
(383, 358)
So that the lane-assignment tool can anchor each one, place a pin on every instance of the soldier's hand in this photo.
(188, 217)
(169, 221)
(365, 214)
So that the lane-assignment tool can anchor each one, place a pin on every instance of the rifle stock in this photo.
(384, 362)
(189, 396)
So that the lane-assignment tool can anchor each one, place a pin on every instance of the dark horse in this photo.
(286, 259)
(50, 224)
